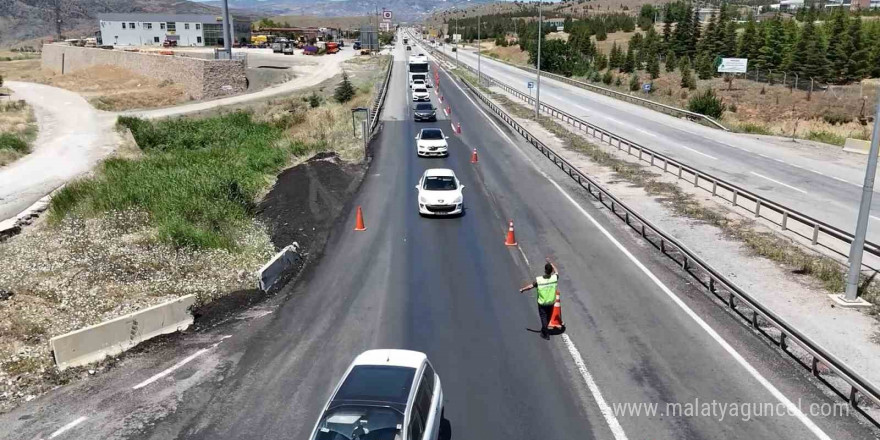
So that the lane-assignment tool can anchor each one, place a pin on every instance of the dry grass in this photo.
(512, 54)
(23, 70)
(17, 126)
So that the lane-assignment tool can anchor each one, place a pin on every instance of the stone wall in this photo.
(202, 79)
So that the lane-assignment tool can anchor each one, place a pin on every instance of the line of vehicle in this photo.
(790, 406)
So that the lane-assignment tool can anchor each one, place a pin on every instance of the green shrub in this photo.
(752, 128)
(608, 77)
(837, 118)
(732, 107)
(198, 179)
(314, 100)
(826, 137)
(618, 82)
(344, 91)
(707, 103)
(9, 141)
(634, 83)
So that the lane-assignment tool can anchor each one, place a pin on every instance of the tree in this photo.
(809, 58)
(695, 34)
(670, 60)
(748, 43)
(654, 67)
(629, 64)
(608, 77)
(839, 46)
(707, 42)
(634, 83)
(615, 60)
(600, 61)
(687, 78)
(858, 66)
(728, 49)
(601, 33)
(771, 52)
(344, 91)
(707, 103)
(667, 26)
(681, 37)
(705, 67)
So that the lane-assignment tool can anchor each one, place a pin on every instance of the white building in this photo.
(153, 29)
(791, 5)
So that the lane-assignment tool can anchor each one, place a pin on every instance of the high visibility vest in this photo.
(547, 290)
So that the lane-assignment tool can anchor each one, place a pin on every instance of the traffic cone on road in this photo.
(511, 238)
(359, 222)
(474, 158)
(556, 316)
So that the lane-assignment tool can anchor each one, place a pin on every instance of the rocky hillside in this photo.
(27, 20)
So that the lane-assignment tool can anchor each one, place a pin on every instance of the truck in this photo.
(332, 47)
(278, 45)
(418, 68)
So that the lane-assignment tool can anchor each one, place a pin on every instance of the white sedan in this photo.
(431, 142)
(384, 394)
(440, 193)
(420, 94)
(418, 83)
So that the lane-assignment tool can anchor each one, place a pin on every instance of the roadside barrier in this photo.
(275, 268)
(856, 390)
(109, 338)
(813, 231)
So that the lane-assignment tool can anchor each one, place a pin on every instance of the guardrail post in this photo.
(643, 231)
(757, 207)
(640, 153)
(782, 343)
(600, 196)
(696, 180)
(735, 192)
(684, 263)
(731, 301)
(652, 158)
(784, 220)
(663, 246)
(814, 368)
(712, 284)
(714, 186)
(613, 211)
(754, 319)
(665, 163)
(629, 148)
(679, 171)
(853, 397)
(815, 234)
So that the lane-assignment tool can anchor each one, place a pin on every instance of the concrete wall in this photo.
(202, 79)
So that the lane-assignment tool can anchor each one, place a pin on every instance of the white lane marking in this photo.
(875, 218)
(606, 411)
(778, 182)
(845, 181)
(700, 153)
(174, 367)
(647, 132)
(524, 255)
(67, 427)
(792, 408)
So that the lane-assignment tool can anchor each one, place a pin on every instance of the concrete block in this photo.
(109, 338)
(857, 146)
(275, 268)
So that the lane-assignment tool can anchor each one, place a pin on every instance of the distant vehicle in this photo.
(278, 45)
(406, 41)
(310, 50)
(431, 142)
(420, 94)
(357, 45)
(380, 391)
(408, 48)
(417, 84)
(424, 112)
(418, 68)
(332, 47)
(440, 193)
(455, 49)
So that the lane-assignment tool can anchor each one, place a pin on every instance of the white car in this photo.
(418, 83)
(384, 394)
(440, 193)
(420, 94)
(431, 142)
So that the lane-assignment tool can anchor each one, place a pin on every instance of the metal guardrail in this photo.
(663, 108)
(379, 102)
(738, 301)
(818, 233)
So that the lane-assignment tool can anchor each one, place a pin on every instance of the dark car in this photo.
(424, 112)
(408, 48)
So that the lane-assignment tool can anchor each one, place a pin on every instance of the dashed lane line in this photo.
(67, 427)
(699, 152)
(790, 406)
(174, 367)
(779, 183)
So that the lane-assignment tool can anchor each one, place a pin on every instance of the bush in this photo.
(826, 137)
(344, 91)
(9, 141)
(837, 118)
(752, 128)
(314, 100)
(634, 83)
(707, 103)
(732, 108)
(198, 179)
(608, 77)
(618, 82)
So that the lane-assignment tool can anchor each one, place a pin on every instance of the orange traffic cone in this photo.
(511, 239)
(359, 222)
(474, 158)
(556, 316)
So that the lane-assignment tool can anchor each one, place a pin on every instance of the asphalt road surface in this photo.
(637, 331)
(828, 190)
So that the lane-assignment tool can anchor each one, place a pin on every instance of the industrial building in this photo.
(134, 29)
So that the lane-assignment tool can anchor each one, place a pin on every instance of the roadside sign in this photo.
(456, 38)
(733, 65)
(531, 85)
(386, 15)
(646, 87)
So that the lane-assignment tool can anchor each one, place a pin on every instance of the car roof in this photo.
(392, 357)
(438, 172)
(431, 129)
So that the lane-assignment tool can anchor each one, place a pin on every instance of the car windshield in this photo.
(360, 422)
(377, 383)
(421, 91)
(432, 135)
(426, 107)
(440, 183)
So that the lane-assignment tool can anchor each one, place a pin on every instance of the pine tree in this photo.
(839, 46)
(687, 79)
(654, 67)
(858, 66)
(629, 63)
(748, 43)
(667, 26)
(344, 91)
(670, 60)
(600, 61)
(874, 41)
(707, 42)
(681, 37)
(614, 59)
(771, 52)
(729, 46)
(634, 82)
(695, 34)
(809, 58)
(704, 66)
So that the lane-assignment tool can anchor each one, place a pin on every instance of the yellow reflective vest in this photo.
(547, 290)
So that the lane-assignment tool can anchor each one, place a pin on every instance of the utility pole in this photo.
(479, 49)
(538, 89)
(457, 46)
(858, 244)
(227, 30)
(58, 20)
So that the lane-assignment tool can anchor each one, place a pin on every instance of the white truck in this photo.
(419, 68)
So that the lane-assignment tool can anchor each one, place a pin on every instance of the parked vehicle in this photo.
(310, 50)
(357, 45)
(332, 47)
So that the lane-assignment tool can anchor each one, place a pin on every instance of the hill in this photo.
(22, 20)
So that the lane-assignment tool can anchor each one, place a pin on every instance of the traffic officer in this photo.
(546, 285)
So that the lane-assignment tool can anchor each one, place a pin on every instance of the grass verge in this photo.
(827, 271)
(18, 129)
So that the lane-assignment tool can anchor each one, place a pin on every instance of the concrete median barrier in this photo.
(109, 338)
(857, 146)
(272, 271)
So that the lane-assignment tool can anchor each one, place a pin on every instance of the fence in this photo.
(816, 232)
(379, 102)
(812, 356)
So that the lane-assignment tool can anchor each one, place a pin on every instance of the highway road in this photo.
(816, 184)
(637, 331)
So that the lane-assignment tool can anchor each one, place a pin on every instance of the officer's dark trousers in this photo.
(545, 312)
